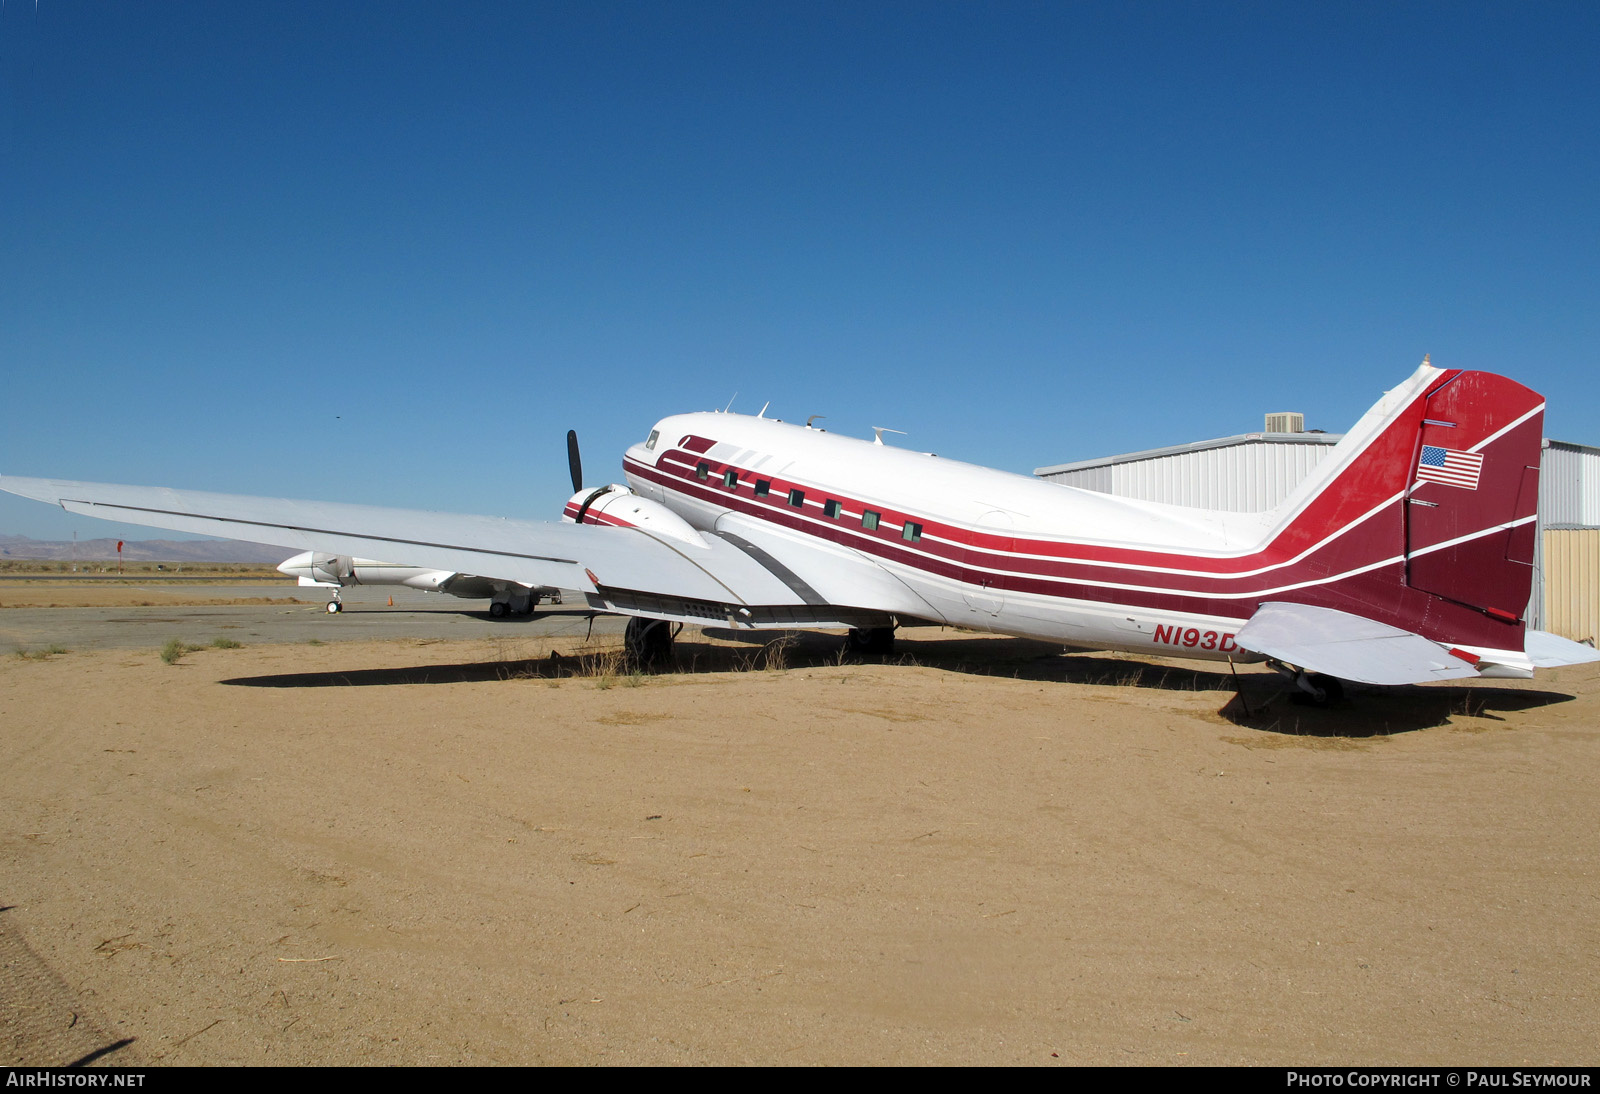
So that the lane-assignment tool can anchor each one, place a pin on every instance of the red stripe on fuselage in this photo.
(1355, 523)
(940, 551)
(1378, 474)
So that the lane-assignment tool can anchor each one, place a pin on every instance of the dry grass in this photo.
(173, 650)
(43, 654)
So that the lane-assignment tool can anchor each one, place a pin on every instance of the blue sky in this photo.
(391, 252)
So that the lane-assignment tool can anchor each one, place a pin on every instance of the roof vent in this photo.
(1287, 422)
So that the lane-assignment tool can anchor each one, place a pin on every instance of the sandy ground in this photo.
(425, 853)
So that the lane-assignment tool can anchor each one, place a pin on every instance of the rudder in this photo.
(1473, 502)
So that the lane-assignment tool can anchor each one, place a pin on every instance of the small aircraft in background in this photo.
(327, 571)
(1404, 556)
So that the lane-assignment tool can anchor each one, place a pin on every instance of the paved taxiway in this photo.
(367, 618)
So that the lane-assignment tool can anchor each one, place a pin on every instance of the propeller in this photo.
(574, 464)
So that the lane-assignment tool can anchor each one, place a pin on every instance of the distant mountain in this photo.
(143, 550)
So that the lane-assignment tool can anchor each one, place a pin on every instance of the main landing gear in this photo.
(871, 641)
(334, 607)
(648, 644)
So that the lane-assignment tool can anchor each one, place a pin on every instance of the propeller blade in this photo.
(574, 464)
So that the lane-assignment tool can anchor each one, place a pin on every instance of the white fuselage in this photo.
(941, 540)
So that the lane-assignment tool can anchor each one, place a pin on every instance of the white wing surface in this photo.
(570, 556)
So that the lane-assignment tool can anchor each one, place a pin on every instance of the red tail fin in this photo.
(1469, 522)
(1424, 515)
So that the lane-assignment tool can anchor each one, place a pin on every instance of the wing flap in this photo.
(1347, 646)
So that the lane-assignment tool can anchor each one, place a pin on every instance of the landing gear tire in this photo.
(1332, 690)
(648, 644)
(872, 641)
(334, 607)
(498, 609)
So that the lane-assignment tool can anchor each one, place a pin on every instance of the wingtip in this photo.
(37, 489)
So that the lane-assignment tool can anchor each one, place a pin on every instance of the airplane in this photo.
(1405, 556)
(327, 571)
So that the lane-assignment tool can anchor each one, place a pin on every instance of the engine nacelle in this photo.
(320, 568)
(618, 506)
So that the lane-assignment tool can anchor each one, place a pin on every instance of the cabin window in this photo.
(655, 435)
(702, 471)
(869, 520)
(730, 479)
(911, 531)
(830, 509)
(797, 498)
(763, 488)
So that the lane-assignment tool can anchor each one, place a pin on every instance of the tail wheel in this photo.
(1312, 689)
(1319, 690)
(1331, 687)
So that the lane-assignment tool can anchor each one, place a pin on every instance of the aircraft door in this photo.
(984, 563)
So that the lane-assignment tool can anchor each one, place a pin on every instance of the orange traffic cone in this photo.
(391, 602)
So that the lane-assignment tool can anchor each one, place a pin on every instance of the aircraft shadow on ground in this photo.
(539, 616)
(1260, 701)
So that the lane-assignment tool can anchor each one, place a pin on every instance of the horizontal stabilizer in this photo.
(1551, 651)
(1347, 646)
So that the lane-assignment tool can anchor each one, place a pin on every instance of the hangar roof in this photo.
(1315, 437)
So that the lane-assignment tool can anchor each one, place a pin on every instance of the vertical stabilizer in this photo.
(1423, 517)
(1475, 493)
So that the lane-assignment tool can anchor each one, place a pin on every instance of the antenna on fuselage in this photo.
(764, 406)
(879, 430)
(813, 418)
(730, 403)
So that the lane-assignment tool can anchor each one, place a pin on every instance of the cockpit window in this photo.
(655, 435)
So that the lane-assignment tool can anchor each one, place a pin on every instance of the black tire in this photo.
(1332, 690)
(872, 641)
(498, 609)
(648, 644)
(1331, 687)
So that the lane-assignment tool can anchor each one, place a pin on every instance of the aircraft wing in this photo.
(1347, 646)
(627, 569)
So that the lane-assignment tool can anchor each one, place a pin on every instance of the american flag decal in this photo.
(1450, 467)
